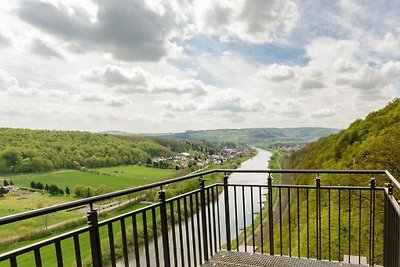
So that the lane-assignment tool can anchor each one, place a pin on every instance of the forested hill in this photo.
(371, 143)
(23, 150)
(257, 135)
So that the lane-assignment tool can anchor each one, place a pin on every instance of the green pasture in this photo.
(120, 177)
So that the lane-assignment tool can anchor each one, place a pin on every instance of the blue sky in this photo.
(176, 65)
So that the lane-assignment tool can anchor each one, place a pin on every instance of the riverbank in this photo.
(67, 246)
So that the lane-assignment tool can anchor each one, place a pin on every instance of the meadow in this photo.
(117, 178)
(108, 173)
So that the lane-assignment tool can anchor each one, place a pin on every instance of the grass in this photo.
(120, 177)
(117, 178)
(48, 252)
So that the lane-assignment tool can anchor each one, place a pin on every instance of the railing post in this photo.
(203, 217)
(164, 227)
(93, 222)
(270, 216)
(227, 217)
(318, 215)
(372, 221)
(386, 242)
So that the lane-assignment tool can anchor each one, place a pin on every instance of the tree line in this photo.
(51, 189)
(24, 150)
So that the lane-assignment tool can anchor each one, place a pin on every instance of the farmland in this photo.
(117, 178)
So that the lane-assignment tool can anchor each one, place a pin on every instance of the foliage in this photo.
(23, 150)
(371, 143)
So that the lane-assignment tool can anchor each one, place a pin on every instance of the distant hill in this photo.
(370, 143)
(256, 135)
(24, 150)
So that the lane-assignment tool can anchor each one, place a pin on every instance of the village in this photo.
(187, 160)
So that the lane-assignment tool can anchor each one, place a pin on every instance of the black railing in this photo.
(296, 218)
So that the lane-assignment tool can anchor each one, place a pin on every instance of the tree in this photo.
(3, 191)
(11, 183)
(67, 191)
(5, 182)
(33, 184)
(39, 186)
(46, 187)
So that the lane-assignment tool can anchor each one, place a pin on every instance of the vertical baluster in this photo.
(199, 225)
(135, 240)
(218, 220)
(349, 225)
(78, 259)
(38, 259)
(192, 229)
(244, 220)
(174, 246)
(318, 215)
(95, 246)
(236, 217)
(339, 254)
(111, 243)
(13, 262)
(227, 217)
(203, 218)
(280, 219)
(329, 223)
(289, 224)
(182, 250)
(308, 224)
(60, 262)
(372, 220)
(155, 235)
(209, 223)
(359, 228)
(261, 221)
(298, 222)
(252, 218)
(270, 216)
(164, 228)
(146, 238)
(188, 258)
(124, 242)
(214, 220)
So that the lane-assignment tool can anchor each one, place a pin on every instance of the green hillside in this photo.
(256, 135)
(24, 150)
(370, 143)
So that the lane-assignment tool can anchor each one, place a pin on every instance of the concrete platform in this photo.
(242, 259)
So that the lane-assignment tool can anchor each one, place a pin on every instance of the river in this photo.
(260, 161)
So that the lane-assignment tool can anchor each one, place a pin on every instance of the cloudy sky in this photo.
(162, 66)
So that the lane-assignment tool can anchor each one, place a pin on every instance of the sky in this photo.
(177, 65)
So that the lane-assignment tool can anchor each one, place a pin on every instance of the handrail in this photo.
(46, 210)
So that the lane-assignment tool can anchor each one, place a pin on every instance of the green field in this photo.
(117, 178)
(125, 173)
(120, 177)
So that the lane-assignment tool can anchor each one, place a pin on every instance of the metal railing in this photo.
(319, 221)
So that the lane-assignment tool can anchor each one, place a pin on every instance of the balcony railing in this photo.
(345, 222)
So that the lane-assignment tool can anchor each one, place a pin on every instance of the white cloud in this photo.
(256, 21)
(98, 97)
(323, 51)
(277, 73)
(6, 80)
(323, 113)
(129, 30)
(41, 48)
(390, 45)
(137, 80)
